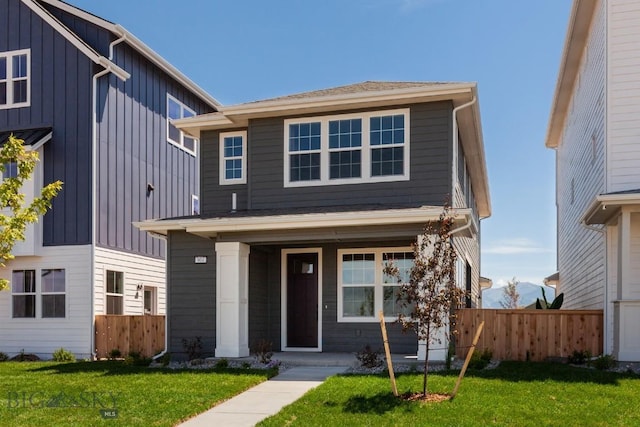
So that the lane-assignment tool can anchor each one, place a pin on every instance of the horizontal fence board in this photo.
(530, 334)
(141, 334)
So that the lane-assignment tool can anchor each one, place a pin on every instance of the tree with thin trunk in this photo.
(431, 292)
(16, 167)
(511, 297)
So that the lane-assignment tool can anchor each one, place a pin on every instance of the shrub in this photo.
(222, 364)
(246, 365)
(136, 359)
(263, 351)
(62, 355)
(369, 358)
(579, 357)
(604, 362)
(115, 354)
(3, 357)
(480, 360)
(24, 357)
(165, 359)
(193, 347)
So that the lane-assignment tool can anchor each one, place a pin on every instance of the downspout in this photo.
(166, 314)
(602, 231)
(94, 184)
(454, 167)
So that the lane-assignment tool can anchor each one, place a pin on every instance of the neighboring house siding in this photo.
(191, 293)
(623, 105)
(137, 270)
(42, 336)
(96, 37)
(133, 152)
(60, 97)
(430, 182)
(580, 177)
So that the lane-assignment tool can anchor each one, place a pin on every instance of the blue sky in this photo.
(245, 50)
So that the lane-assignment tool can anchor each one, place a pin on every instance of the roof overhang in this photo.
(32, 139)
(130, 39)
(485, 282)
(552, 280)
(322, 226)
(574, 46)
(606, 207)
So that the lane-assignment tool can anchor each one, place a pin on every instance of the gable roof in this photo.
(119, 31)
(577, 35)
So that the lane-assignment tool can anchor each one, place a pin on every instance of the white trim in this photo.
(10, 78)
(180, 144)
(243, 178)
(283, 294)
(378, 285)
(365, 149)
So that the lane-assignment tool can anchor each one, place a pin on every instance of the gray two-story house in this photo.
(304, 197)
(98, 105)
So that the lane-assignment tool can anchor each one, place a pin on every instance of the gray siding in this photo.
(61, 98)
(191, 293)
(259, 301)
(430, 179)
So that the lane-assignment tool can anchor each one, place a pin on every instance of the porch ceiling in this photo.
(252, 228)
(606, 207)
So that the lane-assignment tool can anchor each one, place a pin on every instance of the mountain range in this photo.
(529, 292)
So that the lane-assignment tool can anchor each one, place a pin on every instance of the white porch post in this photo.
(232, 302)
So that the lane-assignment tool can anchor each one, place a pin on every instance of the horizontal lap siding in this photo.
(60, 97)
(191, 292)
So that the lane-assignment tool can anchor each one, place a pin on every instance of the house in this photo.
(303, 198)
(596, 135)
(98, 105)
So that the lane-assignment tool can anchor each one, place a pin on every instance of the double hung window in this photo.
(233, 158)
(14, 79)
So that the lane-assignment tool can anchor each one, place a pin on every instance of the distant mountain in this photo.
(529, 292)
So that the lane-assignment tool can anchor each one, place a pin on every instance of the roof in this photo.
(365, 95)
(118, 31)
(606, 206)
(31, 137)
(574, 46)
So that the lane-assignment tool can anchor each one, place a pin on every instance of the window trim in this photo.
(9, 55)
(223, 178)
(112, 294)
(378, 291)
(154, 300)
(180, 144)
(366, 149)
(43, 293)
(194, 199)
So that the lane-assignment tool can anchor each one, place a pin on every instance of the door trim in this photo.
(283, 295)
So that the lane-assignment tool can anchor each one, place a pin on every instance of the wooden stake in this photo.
(387, 352)
(468, 359)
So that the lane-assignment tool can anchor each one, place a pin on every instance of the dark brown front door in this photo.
(302, 300)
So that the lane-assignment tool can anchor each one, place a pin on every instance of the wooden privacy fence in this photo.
(142, 334)
(530, 334)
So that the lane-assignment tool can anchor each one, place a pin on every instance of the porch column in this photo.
(232, 303)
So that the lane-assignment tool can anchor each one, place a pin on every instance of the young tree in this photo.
(14, 215)
(510, 295)
(431, 292)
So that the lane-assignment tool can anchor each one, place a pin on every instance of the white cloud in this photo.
(515, 246)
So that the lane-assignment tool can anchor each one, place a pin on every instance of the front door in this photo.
(302, 300)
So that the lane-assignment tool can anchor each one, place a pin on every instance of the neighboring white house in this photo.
(595, 129)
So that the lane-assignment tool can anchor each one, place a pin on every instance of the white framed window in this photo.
(195, 205)
(177, 110)
(23, 293)
(10, 170)
(149, 300)
(347, 148)
(15, 85)
(233, 158)
(53, 296)
(364, 289)
(115, 292)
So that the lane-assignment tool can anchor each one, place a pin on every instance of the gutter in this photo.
(110, 67)
(454, 167)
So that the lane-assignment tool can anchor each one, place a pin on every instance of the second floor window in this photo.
(14, 79)
(177, 110)
(347, 149)
(233, 158)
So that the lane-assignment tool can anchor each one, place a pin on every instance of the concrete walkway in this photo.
(265, 399)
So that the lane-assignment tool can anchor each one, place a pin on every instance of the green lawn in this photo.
(73, 394)
(514, 394)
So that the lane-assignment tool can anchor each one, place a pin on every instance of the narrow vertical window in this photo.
(10, 170)
(195, 205)
(115, 292)
(23, 290)
(53, 293)
(14, 79)
(233, 158)
(149, 300)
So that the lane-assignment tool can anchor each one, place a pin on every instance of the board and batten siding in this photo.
(137, 270)
(430, 169)
(580, 177)
(133, 153)
(44, 336)
(623, 100)
(60, 79)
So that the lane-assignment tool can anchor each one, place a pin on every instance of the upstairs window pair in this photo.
(14, 79)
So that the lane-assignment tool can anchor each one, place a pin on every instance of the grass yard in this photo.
(73, 394)
(514, 394)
